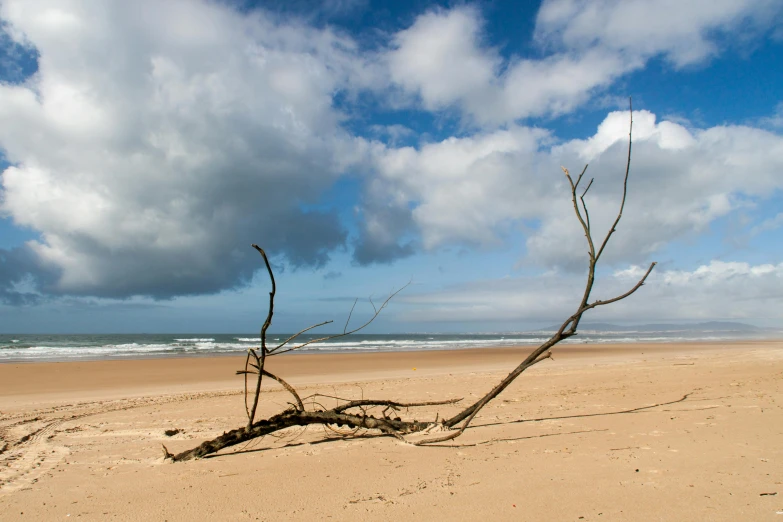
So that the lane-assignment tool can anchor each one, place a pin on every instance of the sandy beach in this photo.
(606, 432)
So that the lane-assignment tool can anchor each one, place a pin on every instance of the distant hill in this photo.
(712, 326)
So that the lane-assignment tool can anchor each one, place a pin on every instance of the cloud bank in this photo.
(156, 141)
(718, 290)
(470, 190)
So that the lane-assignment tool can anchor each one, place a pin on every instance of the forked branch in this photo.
(570, 325)
(377, 311)
(613, 228)
(299, 415)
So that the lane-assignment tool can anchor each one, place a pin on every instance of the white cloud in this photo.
(451, 183)
(683, 32)
(440, 55)
(443, 58)
(469, 190)
(157, 137)
(718, 290)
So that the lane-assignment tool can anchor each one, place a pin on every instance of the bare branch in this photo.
(625, 184)
(626, 294)
(297, 334)
(588, 186)
(271, 298)
(260, 365)
(247, 363)
(291, 390)
(587, 221)
(582, 221)
(285, 385)
(587, 214)
(580, 177)
(298, 415)
(350, 314)
(569, 327)
(461, 430)
(262, 359)
(378, 311)
(533, 358)
(394, 404)
(326, 396)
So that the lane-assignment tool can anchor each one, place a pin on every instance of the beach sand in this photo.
(611, 432)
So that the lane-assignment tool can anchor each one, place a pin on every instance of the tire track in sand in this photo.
(27, 450)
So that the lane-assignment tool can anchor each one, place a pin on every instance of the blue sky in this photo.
(146, 145)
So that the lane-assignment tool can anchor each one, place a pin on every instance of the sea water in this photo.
(33, 348)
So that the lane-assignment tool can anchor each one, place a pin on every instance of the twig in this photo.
(262, 359)
(297, 334)
(345, 333)
(373, 402)
(613, 229)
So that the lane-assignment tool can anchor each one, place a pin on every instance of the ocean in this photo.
(37, 348)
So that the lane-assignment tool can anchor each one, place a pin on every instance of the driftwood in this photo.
(353, 414)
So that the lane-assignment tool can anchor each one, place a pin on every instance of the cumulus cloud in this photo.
(156, 138)
(445, 60)
(683, 32)
(461, 189)
(17, 287)
(442, 58)
(469, 190)
(718, 290)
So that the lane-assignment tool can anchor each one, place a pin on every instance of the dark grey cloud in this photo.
(20, 273)
(150, 159)
(385, 231)
(367, 251)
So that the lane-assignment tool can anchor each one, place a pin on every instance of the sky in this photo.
(144, 146)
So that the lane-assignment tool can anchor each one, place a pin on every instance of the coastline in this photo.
(605, 432)
(20, 381)
(101, 347)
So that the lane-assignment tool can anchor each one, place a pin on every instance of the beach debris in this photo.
(768, 494)
(166, 454)
(171, 433)
(353, 413)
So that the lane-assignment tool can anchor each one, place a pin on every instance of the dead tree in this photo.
(353, 413)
